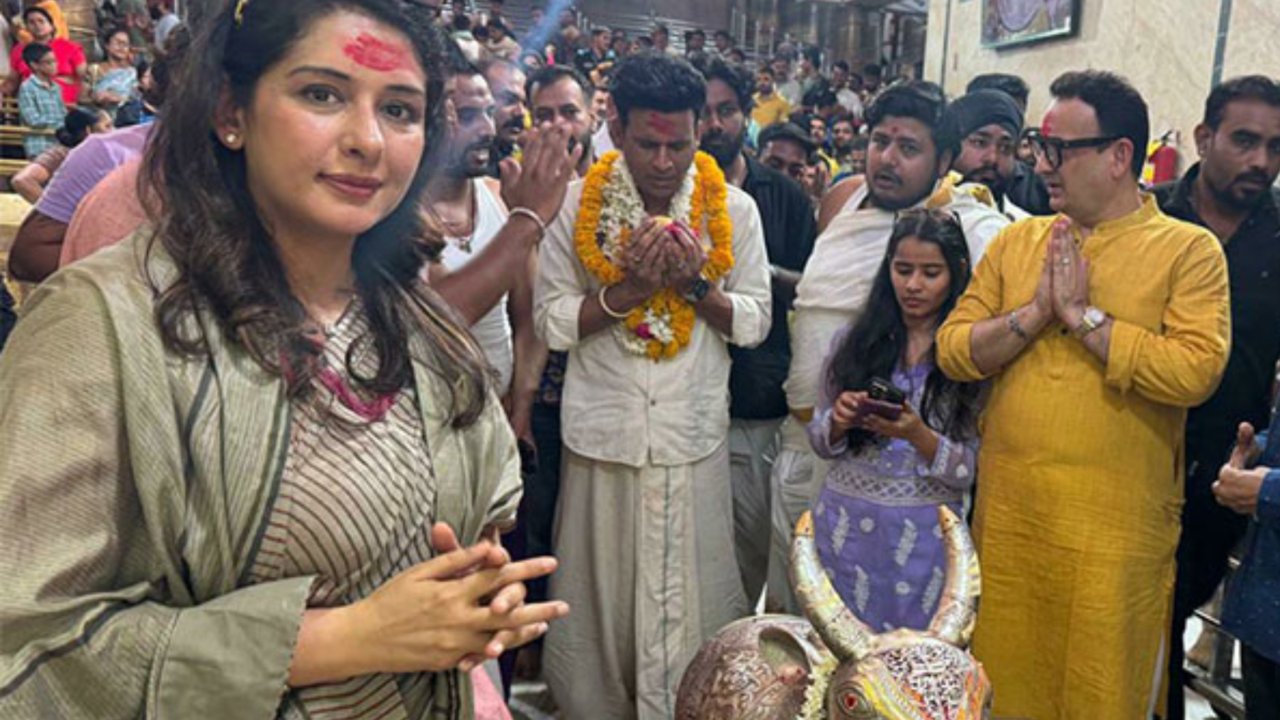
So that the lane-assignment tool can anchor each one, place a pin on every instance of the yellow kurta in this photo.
(1080, 472)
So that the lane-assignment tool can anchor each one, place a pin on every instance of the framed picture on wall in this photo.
(1016, 22)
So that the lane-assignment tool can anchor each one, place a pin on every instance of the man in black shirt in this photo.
(1230, 193)
(757, 402)
(597, 55)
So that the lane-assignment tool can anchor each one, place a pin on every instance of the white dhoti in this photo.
(796, 480)
(647, 566)
(753, 446)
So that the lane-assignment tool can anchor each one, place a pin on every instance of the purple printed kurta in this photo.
(876, 519)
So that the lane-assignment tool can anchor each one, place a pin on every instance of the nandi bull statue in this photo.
(778, 667)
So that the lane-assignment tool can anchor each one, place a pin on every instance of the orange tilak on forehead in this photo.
(377, 54)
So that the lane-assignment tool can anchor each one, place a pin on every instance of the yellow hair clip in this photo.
(240, 6)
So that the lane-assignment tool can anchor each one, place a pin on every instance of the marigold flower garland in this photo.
(611, 208)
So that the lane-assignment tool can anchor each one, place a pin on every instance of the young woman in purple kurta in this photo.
(876, 518)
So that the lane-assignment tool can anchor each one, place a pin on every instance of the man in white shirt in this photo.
(788, 88)
(848, 96)
(645, 283)
(912, 143)
(165, 19)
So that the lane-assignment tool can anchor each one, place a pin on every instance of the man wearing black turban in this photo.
(990, 123)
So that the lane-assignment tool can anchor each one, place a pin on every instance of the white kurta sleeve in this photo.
(562, 284)
(748, 285)
(981, 225)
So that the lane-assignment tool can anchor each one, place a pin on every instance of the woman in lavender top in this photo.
(876, 518)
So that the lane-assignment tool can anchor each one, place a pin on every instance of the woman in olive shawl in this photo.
(247, 458)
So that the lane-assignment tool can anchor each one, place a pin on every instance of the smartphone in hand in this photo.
(884, 399)
(888, 411)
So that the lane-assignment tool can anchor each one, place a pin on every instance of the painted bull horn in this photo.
(841, 630)
(958, 606)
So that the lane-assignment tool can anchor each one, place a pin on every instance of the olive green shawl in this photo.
(134, 486)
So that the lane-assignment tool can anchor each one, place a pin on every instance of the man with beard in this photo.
(912, 143)
(850, 159)
(561, 98)
(769, 108)
(786, 86)
(990, 126)
(757, 403)
(1229, 192)
(466, 208)
(507, 83)
(646, 306)
(1023, 186)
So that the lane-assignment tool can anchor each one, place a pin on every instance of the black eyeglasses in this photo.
(1052, 148)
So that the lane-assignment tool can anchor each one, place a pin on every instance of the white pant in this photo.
(647, 567)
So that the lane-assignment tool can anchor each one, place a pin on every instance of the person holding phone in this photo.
(902, 437)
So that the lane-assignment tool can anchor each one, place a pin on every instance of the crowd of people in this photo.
(400, 355)
(51, 76)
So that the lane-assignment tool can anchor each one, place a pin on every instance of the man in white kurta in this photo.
(838, 276)
(644, 529)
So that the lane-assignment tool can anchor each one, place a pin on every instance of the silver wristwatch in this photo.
(1092, 319)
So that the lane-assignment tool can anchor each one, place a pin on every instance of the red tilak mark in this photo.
(376, 54)
(1046, 126)
(662, 124)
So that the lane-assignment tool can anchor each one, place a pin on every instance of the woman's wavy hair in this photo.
(227, 264)
(877, 344)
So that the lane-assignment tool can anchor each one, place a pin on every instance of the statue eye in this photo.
(848, 701)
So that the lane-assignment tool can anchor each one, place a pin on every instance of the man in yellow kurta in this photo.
(1099, 327)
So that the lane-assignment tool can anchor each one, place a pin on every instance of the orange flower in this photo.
(708, 207)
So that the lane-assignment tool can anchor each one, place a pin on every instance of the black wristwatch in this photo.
(696, 292)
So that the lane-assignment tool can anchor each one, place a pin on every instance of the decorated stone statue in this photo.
(832, 666)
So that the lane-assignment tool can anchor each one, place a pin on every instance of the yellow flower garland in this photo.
(708, 207)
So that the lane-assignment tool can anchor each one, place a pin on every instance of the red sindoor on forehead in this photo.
(1046, 125)
(376, 54)
(661, 123)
